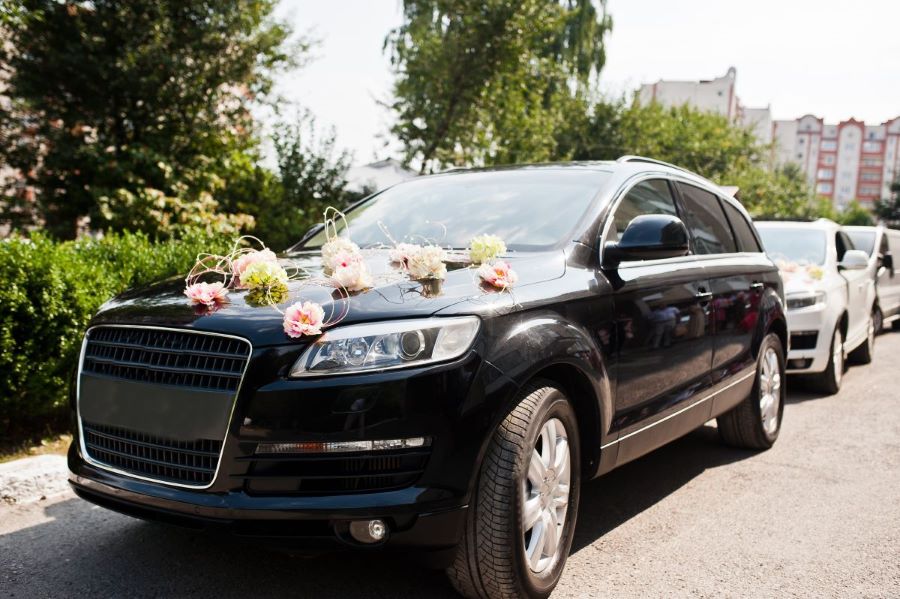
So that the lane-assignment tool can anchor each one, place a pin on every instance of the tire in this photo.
(755, 422)
(829, 381)
(492, 559)
(895, 325)
(878, 318)
(863, 354)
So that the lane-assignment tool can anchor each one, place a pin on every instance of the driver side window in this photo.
(647, 197)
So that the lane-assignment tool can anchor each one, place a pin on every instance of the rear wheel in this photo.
(878, 317)
(756, 421)
(863, 354)
(520, 525)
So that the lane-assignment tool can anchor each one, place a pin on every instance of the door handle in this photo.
(757, 286)
(703, 296)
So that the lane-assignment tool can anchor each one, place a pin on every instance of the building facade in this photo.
(844, 162)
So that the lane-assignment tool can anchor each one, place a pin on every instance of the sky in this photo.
(824, 57)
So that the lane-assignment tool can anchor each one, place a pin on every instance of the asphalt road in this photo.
(816, 516)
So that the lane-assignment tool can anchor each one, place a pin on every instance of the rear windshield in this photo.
(528, 209)
(863, 240)
(794, 244)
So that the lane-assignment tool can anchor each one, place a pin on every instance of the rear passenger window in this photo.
(743, 230)
(647, 197)
(704, 217)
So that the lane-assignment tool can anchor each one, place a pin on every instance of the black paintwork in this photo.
(637, 345)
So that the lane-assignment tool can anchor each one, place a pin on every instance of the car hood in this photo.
(801, 278)
(393, 296)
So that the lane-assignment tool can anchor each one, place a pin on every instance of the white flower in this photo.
(428, 263)
(353, 277)
(334, 248)
(402, 252)
(485, 248)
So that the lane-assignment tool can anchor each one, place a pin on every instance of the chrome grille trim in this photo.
(81, 438)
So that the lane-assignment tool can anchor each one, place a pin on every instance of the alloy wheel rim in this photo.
(769, 391)
(545, 496)
(838, 356)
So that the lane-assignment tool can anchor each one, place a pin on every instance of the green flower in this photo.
(485, 248)
(263, 275)
(267, 296)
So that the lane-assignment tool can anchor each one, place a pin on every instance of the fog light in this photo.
(369, 531)
(344, 446)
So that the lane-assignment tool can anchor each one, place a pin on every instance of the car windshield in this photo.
(794, 244)
(863, 240)
(529, 209)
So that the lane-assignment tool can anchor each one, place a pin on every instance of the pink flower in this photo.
(248, 258)
(208, 294)
(498, 274)
(303, 318)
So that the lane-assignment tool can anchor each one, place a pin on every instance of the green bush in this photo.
(48, 292)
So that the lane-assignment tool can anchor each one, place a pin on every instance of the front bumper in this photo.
(310, 522)
(804, 325)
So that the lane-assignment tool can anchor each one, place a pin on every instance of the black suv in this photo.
(645, 306)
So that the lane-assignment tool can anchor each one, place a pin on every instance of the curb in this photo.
(33, 479)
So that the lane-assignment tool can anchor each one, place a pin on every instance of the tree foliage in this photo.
(488, 81)
(124, 110)
(888, 209)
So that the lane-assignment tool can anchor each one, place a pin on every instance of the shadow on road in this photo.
(85, 549)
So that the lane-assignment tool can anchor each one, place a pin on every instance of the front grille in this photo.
(164, 357)
(804, 340)
(323, 474)
(187, 462)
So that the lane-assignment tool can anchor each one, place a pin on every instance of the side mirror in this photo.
(854, 260)
(648, 237)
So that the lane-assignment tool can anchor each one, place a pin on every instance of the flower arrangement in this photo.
(303, 318)
(498, 273)
(266, 279)
(206, 294)
(789, 270)
(485, 248)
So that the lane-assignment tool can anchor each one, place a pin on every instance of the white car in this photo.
(882, 245)
(830, 297)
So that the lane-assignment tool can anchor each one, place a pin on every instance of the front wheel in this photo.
(863, 354)
(755, 422)
(520, 526)
(829, 381)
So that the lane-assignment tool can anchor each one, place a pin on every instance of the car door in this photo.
(888, 277)
(662, 330)
(735, 266)
(859, 291)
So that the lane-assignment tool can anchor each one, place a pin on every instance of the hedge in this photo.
(48, 292)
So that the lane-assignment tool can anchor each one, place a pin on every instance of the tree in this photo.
(888, 209)
(855, 214)
(114, 100)
(311, 176)
(485, 82)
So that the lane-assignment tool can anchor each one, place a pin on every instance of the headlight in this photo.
(805, 300)
(387, 345)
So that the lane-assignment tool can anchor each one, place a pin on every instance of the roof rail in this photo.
(630, 158)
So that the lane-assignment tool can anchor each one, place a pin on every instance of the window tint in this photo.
(704, 217)
(742, 229)
(863, 240)
(884, 249)
(647, 197)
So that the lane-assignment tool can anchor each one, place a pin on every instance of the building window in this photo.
(870, 161)
(826, 173)
(829, 145)
(873, 147)
(828, 159)
(870, 176)
(868, 190)
(850, 147)
(802, 141)
(824, 188)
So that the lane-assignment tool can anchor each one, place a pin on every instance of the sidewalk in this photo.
(32, 479)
